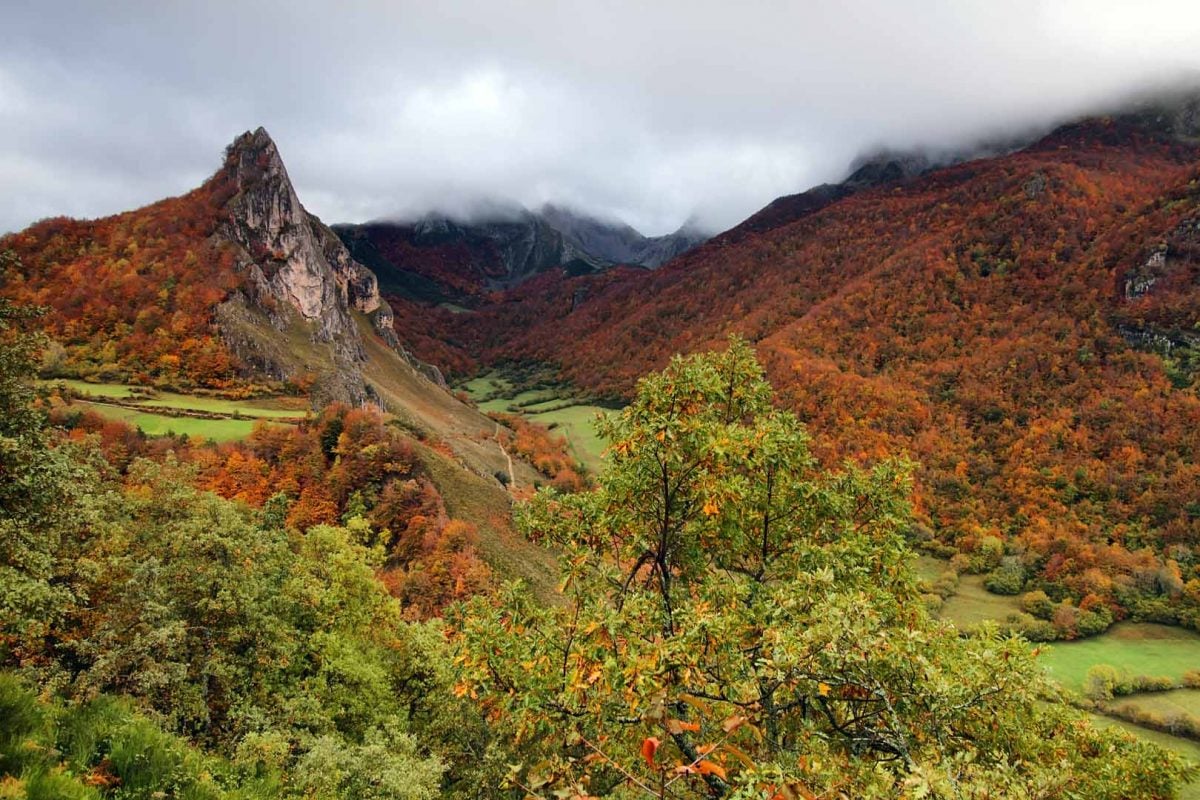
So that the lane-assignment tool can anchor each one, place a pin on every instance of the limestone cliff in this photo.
(293, 318)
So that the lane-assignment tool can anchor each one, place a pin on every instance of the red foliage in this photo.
(131, 296)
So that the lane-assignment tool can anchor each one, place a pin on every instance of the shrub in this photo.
(1038, 604)
(1066, 620)
(1101, 682)
(1150, 683)
(1033, 630)
(946, 585)
(1006, 580)
(20, 718)
(1091, 623)
(933, 602)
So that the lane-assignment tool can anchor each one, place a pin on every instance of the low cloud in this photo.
(649, 112)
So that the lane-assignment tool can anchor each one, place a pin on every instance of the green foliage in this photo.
(1101, 682)
(279, 650)
(34, 483)
(103, 748)
(1007, 579)
(388, 765)
(736, 621)
(1038, 604)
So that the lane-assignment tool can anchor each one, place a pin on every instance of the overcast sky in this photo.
(646, 111)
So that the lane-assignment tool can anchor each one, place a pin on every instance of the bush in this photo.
(1006, 580)
(1092, 623)
(988, 554)
(1150, 683)
(20, 718)
(1066, 620)
(1038, 604)
(946, 585)
(933, 603)
(1033, 630)
(1101, 682)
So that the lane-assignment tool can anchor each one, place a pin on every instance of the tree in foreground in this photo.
(736, 622)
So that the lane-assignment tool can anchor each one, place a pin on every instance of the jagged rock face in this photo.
(507, 251)
(296, 271)
(617, 243)
(292, 256)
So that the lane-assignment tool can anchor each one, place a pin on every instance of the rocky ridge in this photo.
(298, 278)
(442, 258)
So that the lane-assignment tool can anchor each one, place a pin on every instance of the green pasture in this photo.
(219, 430)
(973, 604)
(268, 408)
(1138, 648)
(497, 394)
(1166, 704)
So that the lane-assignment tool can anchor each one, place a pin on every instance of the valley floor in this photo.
(1133, 648)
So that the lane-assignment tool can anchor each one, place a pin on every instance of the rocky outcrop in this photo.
(294, 313)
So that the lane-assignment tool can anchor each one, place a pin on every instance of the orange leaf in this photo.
(733, 723)
(711, 768)
(678, 726)
(649, 748)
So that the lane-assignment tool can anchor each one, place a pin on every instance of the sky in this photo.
(647, 112)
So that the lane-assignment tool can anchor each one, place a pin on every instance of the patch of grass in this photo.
(515, 404)
(118, 390)
(1134, 647)
(485, 385)
(496, 393)
(219, 430)
(266, 409)
(577, 423)
(929, 568)
(1167, 704)
(973, 604)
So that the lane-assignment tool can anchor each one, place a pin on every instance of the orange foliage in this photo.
(132, 296)
(975, 319)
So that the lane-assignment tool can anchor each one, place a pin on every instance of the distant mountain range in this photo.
(441, 258)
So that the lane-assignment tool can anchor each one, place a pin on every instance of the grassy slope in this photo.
(219, 430)
(1176, 701)
(1139, 648)
(575, 422)
(269, 408)
(973, 604)
(465, 481)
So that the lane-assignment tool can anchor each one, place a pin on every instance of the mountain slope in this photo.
(997, 320)
(441, 259)
(236, 287)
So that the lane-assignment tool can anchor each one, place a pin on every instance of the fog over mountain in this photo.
(648, 113)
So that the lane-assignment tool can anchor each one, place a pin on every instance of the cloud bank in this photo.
(648, 112)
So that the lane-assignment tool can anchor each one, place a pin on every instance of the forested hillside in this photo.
(1021, 326)
(169, 642)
